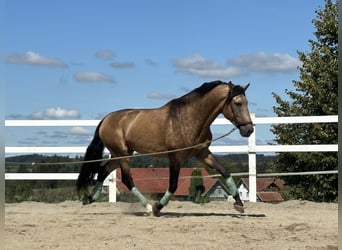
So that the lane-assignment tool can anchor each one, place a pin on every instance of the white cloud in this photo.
(56, 113)
(122, 65)
(266, 63)
(32, 58)
(105, 54)
(15, 117)
(259, 62)
(81, 131)
(198, 65)
(93, 76)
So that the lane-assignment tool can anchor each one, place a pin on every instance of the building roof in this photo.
(156, 180)
(269, 196)
(262, 184)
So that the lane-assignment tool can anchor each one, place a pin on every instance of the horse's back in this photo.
(141, 130)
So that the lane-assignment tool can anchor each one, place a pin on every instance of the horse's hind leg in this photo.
(102, 175)
(128, 181)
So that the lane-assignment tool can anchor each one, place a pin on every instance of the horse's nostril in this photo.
(246, 131)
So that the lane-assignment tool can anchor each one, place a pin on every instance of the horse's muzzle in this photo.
(246, 130)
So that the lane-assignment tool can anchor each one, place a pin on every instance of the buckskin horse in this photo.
(181, 123)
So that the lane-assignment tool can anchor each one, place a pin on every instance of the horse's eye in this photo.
(239, 104)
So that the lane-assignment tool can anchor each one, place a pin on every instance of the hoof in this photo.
(239, 207)
(156, 209)
(149, 209)
(87, 200)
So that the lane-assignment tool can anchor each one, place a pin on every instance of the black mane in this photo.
(207, 87)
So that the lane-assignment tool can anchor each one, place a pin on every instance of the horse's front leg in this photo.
(208, 158)
(174, 169)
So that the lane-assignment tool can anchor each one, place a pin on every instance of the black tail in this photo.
(89, 169)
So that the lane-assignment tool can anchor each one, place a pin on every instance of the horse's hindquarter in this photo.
(140, 130)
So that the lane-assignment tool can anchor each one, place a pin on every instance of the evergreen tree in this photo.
(316, 94)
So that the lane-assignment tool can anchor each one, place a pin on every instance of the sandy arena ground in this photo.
(183, 225)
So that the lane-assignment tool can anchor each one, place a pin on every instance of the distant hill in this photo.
(21, 167)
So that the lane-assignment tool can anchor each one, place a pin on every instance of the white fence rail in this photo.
(251, 148)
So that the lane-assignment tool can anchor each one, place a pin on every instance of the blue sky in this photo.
(83, 59)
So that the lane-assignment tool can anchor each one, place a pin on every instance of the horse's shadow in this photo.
(201, 214)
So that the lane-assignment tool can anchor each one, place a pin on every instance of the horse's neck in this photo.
(200, 113)
(208, 110)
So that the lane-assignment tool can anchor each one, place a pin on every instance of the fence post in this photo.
(252, 163)
(112, 187)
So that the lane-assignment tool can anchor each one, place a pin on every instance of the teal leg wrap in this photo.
(95, 194)
(139, 195)
(167, 196)
(231, 186)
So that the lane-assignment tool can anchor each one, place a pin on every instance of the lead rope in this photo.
(123, 157)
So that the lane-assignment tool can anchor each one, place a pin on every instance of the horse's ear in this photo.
(231, 84)
(245, 87)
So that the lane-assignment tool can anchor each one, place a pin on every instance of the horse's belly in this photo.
(146, 146)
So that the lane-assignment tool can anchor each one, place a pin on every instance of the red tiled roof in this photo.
(263, 183)
(147, 180)
(156, 180)
(270, 196)
(184, 184)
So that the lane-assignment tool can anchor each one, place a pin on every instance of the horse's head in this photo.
(236, 109)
